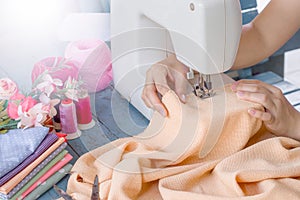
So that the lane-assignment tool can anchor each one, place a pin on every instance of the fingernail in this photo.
(240, 93)
(183, 98)
(252, 112)
(159, 109)
(234, 86)
(162, 112)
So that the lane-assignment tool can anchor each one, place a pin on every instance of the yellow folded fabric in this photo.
(205, 149)
(8, 186)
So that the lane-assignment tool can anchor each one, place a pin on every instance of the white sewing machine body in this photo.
(204, 35)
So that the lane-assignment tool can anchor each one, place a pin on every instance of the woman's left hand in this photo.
(280, 117)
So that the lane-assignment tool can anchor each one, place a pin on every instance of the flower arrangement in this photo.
(37, 108)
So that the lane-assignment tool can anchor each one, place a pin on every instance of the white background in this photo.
(29, 33)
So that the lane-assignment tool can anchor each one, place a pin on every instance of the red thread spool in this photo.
(68, 119)
(84, 114)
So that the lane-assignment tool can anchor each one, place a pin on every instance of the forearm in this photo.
(273, 27)
(251, 48)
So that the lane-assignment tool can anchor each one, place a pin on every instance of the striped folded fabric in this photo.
(45, 165)
(15, 180)
(46, 185)
(48, 174)
(46, 143)
(45, 161)
(40, 174)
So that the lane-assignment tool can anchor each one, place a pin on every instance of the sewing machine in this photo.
(203, 34)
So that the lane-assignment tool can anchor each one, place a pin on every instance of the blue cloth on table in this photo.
(16, 145)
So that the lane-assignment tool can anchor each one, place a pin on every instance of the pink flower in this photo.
(32, 114)
(28, 103)
(7, 88)
(17, 96)
(19, 105)
(14, 102)
(12, 110)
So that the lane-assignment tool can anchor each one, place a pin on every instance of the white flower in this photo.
(49, 84)
(34, 117)
(49, 105)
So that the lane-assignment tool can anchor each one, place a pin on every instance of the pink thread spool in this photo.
(84, 114)
(68, 119)
(94, 62)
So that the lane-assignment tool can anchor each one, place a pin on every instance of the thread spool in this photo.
(56, 119)
(84, 114)
(68, 119)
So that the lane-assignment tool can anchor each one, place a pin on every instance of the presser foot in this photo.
(202, 85)
(203, 93)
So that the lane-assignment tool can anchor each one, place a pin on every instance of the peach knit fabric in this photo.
(206, 149)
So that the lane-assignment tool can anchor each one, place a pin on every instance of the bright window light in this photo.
(29, 12)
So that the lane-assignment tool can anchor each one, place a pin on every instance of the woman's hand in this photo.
(162, 77)
(280, 117)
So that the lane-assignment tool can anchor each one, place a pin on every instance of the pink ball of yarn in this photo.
(52, 65)
(94, 58)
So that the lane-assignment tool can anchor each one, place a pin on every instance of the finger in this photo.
(164, 67)
(149, 89)
(158, 76)
(152, 99)
(234, 86)
(161, 84)
(250, 81)
(238, 85)
(260, 98)
(252, 88)
(170, 75)
(145, 98)
(182, 88)
(264, 116)
(275, 90)
(161, 109)
(255, 86)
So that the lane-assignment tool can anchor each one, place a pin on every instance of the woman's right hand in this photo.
(279, 116)
(169, 74)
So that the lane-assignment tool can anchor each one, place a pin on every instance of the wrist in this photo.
(175, 64)
(297, 128)
(171, 60)
(294, 129)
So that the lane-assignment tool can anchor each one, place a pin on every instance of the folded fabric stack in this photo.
(31, 162)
